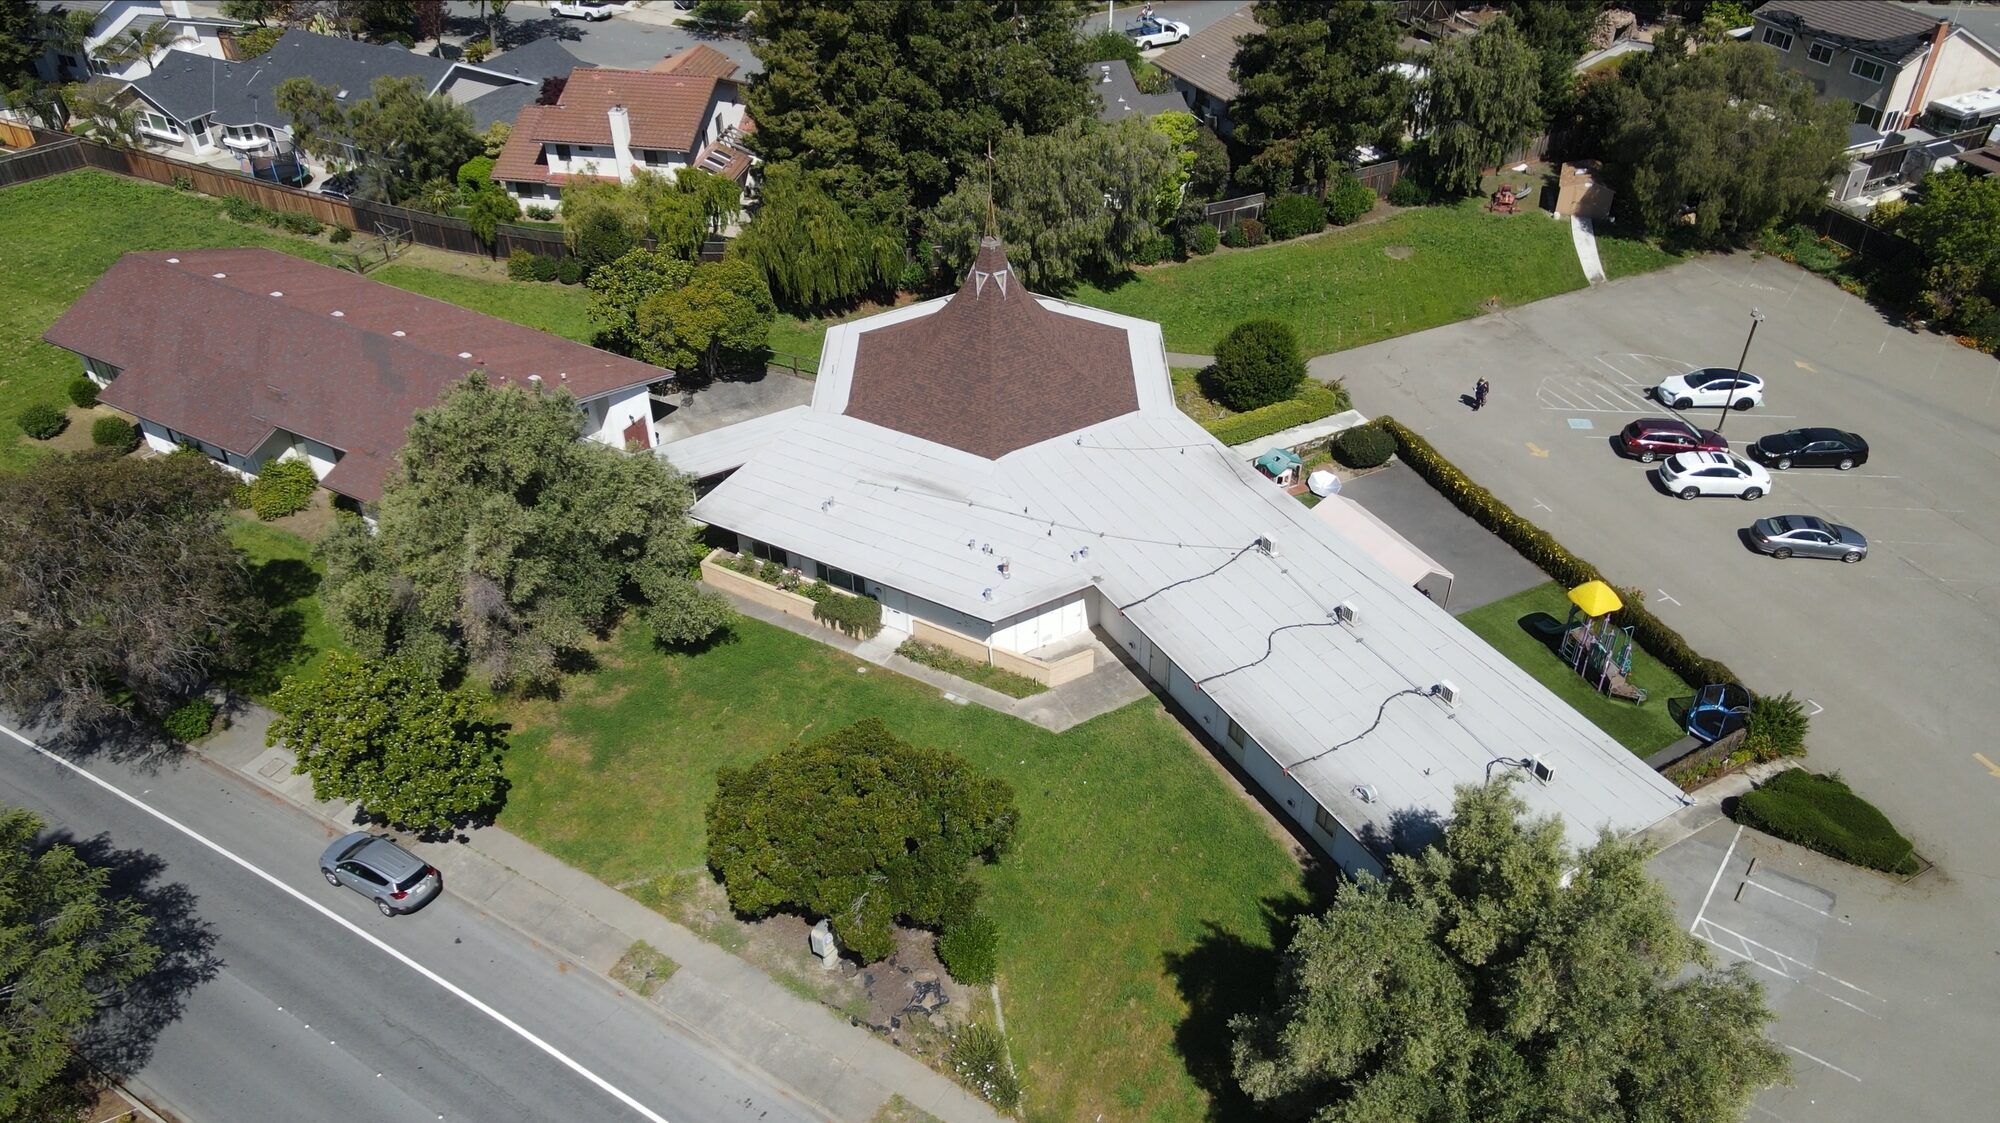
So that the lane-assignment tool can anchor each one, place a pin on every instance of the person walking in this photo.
(1479, 394)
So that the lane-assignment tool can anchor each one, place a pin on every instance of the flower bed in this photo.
(788, 591)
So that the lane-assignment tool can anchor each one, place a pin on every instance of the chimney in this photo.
(621, 140)
(1917, 104)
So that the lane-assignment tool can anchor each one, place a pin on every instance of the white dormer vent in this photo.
(1346, 613)
(1447, 691)
(1366, 793)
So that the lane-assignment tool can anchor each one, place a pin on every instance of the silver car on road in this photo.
(395, 879)
(1784, 536)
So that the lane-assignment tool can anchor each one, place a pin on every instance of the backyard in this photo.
(1509, 626)
(285, 579)
(1138, 877)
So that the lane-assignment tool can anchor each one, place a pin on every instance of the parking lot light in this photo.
(1736, 376)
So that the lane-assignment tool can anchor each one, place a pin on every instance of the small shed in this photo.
(1282, 465)
(1580, 190)
(1380, 541)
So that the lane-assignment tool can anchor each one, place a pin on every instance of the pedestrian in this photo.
(1146, 12)
(1479, 394)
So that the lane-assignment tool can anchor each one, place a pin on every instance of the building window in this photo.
(1326, 822)
(1779, 39)
(1869, 69)
(841, 579)
(158, 123)
(1821, 53)
(1236, 735)
(1867, 115)
(562, 152)
(764, 551)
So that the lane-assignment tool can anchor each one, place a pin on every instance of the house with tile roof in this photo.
(1008, 475)
(1200, 66)
(1891, 63)
(254, 356)
(688, 111)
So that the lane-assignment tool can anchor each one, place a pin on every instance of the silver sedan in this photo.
(1784, 536)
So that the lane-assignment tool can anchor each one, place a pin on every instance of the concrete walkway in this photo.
(846, 1072)
(1176, 359)
(1585, 237)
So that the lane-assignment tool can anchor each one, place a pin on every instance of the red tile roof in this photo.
(698, 59)
(992, 371)
(668, 112)
(230, 345)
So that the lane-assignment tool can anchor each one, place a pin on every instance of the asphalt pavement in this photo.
(286, 998)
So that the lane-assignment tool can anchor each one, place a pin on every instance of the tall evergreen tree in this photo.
(1559, 31)
(1480, 101)
(814, 253)
(1316, 83)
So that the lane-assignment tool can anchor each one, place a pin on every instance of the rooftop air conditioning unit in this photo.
(1346, 613)
(1541, 769)
(1447, 692)
(1267, 544)
(1852, 184)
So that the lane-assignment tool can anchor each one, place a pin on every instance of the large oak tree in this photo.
(1312, 86)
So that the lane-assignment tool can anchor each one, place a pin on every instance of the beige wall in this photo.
(755, 591)
(1961, 69)
(1055, 672)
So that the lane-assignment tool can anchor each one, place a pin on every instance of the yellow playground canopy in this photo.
(1595, 598)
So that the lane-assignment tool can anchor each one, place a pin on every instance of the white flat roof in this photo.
(1360, 526)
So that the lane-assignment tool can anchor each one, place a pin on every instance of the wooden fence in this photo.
(1381, 177)
(1867, 239)
(13, 135)
(1228, 212)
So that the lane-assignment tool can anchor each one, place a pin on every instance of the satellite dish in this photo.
(1323, 483)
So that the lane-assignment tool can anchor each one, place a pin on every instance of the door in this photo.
(1159, 666)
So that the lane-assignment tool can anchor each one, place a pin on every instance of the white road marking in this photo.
(458, 992)
(1544, 506)
(1717, 880)
(1773, 892)
(1816, 710)
(1828, 1064)
(1790, 978)
(1748, 942)
(1769, 1112)
(1668, 599)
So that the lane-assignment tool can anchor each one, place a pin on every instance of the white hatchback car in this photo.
(1711, 386)
(1691, 475)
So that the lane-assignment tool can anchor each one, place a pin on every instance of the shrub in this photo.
(1407, 192)
(1349, 201)
(239, 492)
(1821, 813)
(521, 265)
(43, 421)
(475, 176)
(183, 183)
(340, 234)
(860, 617)
(1777, 727)
(1363, 446)
(1153, 250)
(970, 949)
(540, 213)
(1294, 216)
(1256, 364)
(298, 222)
(1313, 401)
(546, 268)
(477, 50)
(83, 392)
(569, 271)
(1245, 232)
(240, 209)
(114, 432)
(257, 41)
(979, 1060)
(283, 488)
(1200, 239)
(189, 721)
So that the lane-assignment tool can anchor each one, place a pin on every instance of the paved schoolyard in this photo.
(729, 401)
(1484, 569)
(1898, 655)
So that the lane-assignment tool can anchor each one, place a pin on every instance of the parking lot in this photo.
(1896, 656)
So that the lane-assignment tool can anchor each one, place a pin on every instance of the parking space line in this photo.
(1666, 597)
(1748, 942)
(1816, 710)
(1717, 880)
(1769, 1112)
(1773, 892)
(1790, 978)
(1828, 1064)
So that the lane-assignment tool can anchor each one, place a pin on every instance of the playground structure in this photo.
(1594, 646)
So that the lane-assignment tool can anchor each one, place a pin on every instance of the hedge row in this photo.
(1313, 401)
(1822, 813)
(1538, 546)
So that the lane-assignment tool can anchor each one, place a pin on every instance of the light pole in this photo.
(1736, 376)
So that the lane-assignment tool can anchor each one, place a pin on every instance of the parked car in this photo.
(340, 186)
(1710, 386)
(1694, 474)
(1807, 536)
(582, 9)
(1150, 33)
(1650, 438)
(1811, 448)
(375, 867)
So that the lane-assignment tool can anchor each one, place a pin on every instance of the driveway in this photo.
(1484, 569)
(1897, 656)
(625, 41)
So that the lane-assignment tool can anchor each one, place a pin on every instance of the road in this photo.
(278, 1003)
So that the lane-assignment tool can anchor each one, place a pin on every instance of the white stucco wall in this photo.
(607, 415)
(1961, 69)
(1051, 623)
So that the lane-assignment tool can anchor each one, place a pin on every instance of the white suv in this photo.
(1693, 474)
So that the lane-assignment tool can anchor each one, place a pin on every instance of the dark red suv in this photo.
(1656, 438)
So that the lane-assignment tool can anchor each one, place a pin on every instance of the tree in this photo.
(388, 736)
(1957, 222)
(116, 581)
(505, 543)
(602, 221)
(1256, 364)
(101, 113)
(1315, 84)
(406, 137)
(430, 17)
(68, 948)
(721, 316)
(619, 288)
(259, 12)
(1500, 976)
(813, 253)
(21, 42)
(318, 118)
(1720, 18)
(1559, 31)
(491, 207)
(139, 43)
(860, 827)
(1480, 102)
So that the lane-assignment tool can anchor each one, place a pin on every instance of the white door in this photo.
(895, 615)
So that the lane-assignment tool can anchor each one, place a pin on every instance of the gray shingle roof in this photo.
(1119, 97)
(1875, 26)
(188, 85)
(538, 59)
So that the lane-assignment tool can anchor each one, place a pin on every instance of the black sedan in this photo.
(1784, 536)
(1811, 448)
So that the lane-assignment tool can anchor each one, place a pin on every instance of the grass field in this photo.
(1416, 270)
(554, 308)
(1138, 877)
(1644, 729)
(286, 579)
(1624, 257)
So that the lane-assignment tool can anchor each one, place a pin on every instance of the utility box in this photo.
(823, 946)
(1581, 191)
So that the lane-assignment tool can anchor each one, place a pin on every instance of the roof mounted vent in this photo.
(1447, 691)
(398, 333)
(338, 313)
(1366, 793)
(275, 292)
(1346, 613)
(341, 94)
(535, 380)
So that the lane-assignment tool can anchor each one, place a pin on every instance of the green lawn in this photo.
(1343, 289)
(57, 236)
(1138, 876)
(1623, 257)
(1644, 729)
(284, 576)
(555, 308)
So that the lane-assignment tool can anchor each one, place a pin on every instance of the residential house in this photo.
(1009, 476)
(1119, 97)
(253, 356)
(1891, 63)
(194, 34)
(1200, 67)
(611, 124)
(532, 63)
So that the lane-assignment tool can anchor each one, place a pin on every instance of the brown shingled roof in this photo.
(700, 59)
(993, 370)
(1203, 59)
(1876, 26)
(667, 110)
(229, 345)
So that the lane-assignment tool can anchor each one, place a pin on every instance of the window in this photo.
(1869, 69)
(158, 123)
(1821, 53)
(562, 153)
(1326, 822)
(766, 552)
(841, 579)
(1236, 734)
(1778, 39)
(1866, 115)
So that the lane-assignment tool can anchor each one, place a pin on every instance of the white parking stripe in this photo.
(1748, 942)
(1828, 1064)
(405, 960)
(1795, 900)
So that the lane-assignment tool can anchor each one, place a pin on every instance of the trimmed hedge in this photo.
(83, 392)
(43, 421)
(1349, 201)
(1364, 446)
(114, 432)
(189, 721)
(1539, 547)
(859, 617)
(283, 488)
(1313, 401)
(1822, 813)
(1200, 239)
(970, 949)
(1294, 216)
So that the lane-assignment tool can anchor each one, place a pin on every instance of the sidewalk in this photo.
(845, 1071)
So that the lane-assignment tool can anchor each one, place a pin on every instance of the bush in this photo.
(283, 488)
(1313, 401)
(1536, 545)
(189, 721)
(1408, 192)
(1256, 364)
(970, 949)
(860, 617)
(257, 41)
(1821, 813)
(340, 234)
(298, 222)
(1777, 727)
(240, 209)
(569, 271)
(521, 265)
(1294, 216)
(43, 421)
(1363, 446)
(475, 176)
(1153, 250)
(979, 1060)
(546, 268)
(114, 432)
(477, 50)
(1244, 233)
(1200, 239)
(83, 392)
(540, 213)
(1349, 201)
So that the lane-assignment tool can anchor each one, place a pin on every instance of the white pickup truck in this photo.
(1150, 33)
(582, 9)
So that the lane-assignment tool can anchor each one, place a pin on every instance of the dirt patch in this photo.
(1400, 253)
(1490, 304)
(568, 749)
